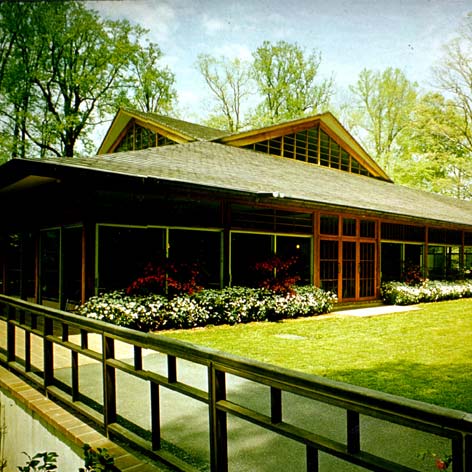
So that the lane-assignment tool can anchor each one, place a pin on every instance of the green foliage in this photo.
(381, 112)
(40, 462)
(230, 84)
(284, 76)
(97, 461)
(94, 461)
(63, 69)
(150, 85)
(208, 307)
(402, 293)
(287, 80)
(439, 158)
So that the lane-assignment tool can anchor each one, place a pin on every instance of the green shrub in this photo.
(230, 305)
(400, 293)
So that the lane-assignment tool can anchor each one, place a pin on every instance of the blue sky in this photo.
(350, 34)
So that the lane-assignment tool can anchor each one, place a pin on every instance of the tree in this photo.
(151, 86)
(286, 78)
(381, 111)
(454, 77)
(65, 72)
(229, 82)
(435, 158)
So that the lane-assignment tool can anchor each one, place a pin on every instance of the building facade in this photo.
(165, 188)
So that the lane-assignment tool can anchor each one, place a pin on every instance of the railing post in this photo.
(48, 352)
(138, 358)
(75, 375)
(218, 422)
(312, 459)
(171, 369)
(11, 342)
(155, 417)
(458, 454)
(275, 405)
(468, 453)
(353, 432)
(109, 382)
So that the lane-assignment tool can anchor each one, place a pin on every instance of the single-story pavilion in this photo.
(74, 227)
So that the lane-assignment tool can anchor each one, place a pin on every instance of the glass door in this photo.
(349, 269)
(367, 270)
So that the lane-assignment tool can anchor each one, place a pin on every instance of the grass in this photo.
(424, 354)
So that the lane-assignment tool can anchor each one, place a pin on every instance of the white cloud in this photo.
(160, 18)
(213, 25)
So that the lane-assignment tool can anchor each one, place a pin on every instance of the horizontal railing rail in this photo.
(51, 329)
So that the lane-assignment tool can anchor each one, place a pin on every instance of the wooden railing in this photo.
(34, 330)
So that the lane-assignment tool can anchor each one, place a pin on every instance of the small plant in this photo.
(97, 461)
(413, 274)
(166, 277)
(39, 462)
(276, 274)
(94, 461)
(440, 462)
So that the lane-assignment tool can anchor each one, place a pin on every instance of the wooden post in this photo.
(11, 341)
(458, 454)
(48, 352)
(275, 405)
(109, 382)
(155, 417)
(468, 453)
(218, 421)
(171, 369)
(138, 358)
(353, 432)
(312, 459)
(75, 375)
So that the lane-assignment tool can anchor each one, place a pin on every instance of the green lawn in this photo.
(424, 354)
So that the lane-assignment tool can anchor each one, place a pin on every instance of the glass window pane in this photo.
(367, 228)
(50, 260)
(324, 149)
(313, 145)
(201, 249)
(329, 224)
(436, 262)
(299, 248)
(123, 254)
(335, 154)
(72, 263)
(246, 251)
(349, 226)
(329, 265)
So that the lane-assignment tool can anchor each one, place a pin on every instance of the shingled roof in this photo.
(227, 168)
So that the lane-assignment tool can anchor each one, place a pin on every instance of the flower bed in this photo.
(208, 307)
(400, 293)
